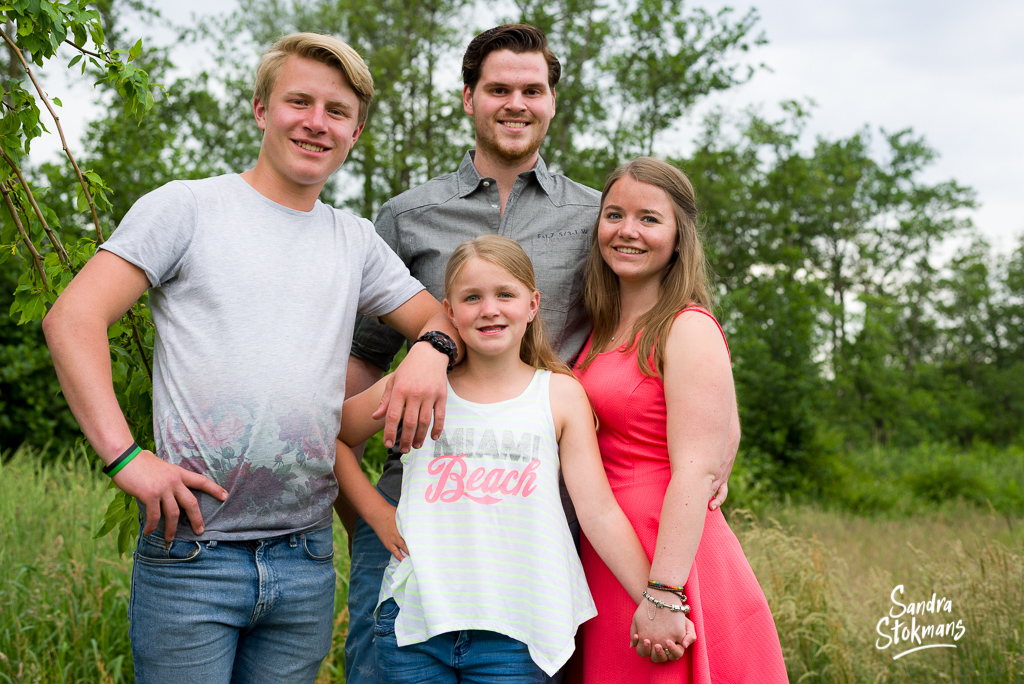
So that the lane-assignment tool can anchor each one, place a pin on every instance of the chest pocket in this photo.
(558, 263)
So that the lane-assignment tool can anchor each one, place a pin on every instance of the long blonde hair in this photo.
(535, 349)
(684, 282)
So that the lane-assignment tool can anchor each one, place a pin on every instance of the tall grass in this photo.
(828, 576)
(63, 594)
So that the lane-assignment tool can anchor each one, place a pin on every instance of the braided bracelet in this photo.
(678, 591)
(683, 608)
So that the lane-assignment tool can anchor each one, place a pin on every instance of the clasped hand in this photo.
(663, 638)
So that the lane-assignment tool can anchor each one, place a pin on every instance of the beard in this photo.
(492, 145)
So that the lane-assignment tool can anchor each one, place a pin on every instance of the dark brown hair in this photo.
(684, 282)
(519, 38)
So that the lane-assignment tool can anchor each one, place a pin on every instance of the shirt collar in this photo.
(470, 178)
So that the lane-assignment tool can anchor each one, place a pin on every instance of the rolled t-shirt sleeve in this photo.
(156, 232)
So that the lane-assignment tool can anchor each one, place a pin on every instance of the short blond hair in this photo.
(319, 48)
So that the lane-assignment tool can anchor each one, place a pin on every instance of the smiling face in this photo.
(637, 231)
(490, 308)
(309, 125)
(511, 107)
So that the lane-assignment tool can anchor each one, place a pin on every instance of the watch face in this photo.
(445, 341)
(442, 343)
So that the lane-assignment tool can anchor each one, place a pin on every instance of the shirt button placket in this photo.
(506, 216)
(494, 199)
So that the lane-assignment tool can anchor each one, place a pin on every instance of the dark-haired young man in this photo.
(502, 188)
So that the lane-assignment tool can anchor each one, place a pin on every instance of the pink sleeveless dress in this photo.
(736, 636)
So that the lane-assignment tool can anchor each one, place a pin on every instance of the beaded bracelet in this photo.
(121, 461)
(682, 608)
(678, 591)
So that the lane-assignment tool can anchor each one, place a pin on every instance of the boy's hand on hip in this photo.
(163, 489)
(415, 392)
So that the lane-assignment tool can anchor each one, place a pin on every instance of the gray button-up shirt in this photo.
(548, 214)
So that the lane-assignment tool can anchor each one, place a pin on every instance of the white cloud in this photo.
(954, 72)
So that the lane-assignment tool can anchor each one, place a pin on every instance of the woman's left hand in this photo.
(663, 639)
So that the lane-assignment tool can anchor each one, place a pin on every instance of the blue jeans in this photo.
(369, 560)
(471, 656)
(255, 611)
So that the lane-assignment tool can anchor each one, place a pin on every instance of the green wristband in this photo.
(121, 461)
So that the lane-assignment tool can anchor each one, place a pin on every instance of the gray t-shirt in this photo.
(254, 305)
(548, 214)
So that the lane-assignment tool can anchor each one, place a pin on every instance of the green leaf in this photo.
(135, 51)
(74, 60)
(128, 532)
(32, 307)
(96, 33)
(115, 509)
(115, 331)
(9, 124)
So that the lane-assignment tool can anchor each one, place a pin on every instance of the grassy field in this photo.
(828, 576)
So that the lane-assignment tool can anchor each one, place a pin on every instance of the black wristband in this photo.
(442, 343)
(116, 464)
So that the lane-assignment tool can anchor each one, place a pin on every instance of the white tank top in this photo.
(489, 547)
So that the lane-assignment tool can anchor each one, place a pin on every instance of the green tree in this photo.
(32, 410)
(415, 128)
(30, 232)
(751, 180)
(624, 82)
(632, 71)
(189, 133)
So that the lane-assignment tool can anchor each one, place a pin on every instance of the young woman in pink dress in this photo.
(657, 371)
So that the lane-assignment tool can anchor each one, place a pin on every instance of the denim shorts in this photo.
(471, 656)
(215, 611)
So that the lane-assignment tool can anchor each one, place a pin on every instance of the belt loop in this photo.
(293, 540)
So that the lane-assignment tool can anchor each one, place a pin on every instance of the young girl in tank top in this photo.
(485, 581)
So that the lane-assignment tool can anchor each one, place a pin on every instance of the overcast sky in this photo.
(954, 72)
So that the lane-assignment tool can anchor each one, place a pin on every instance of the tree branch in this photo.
(24, 234)
(62, 253)
(84, 51)
(56, 119)
(130, 315)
